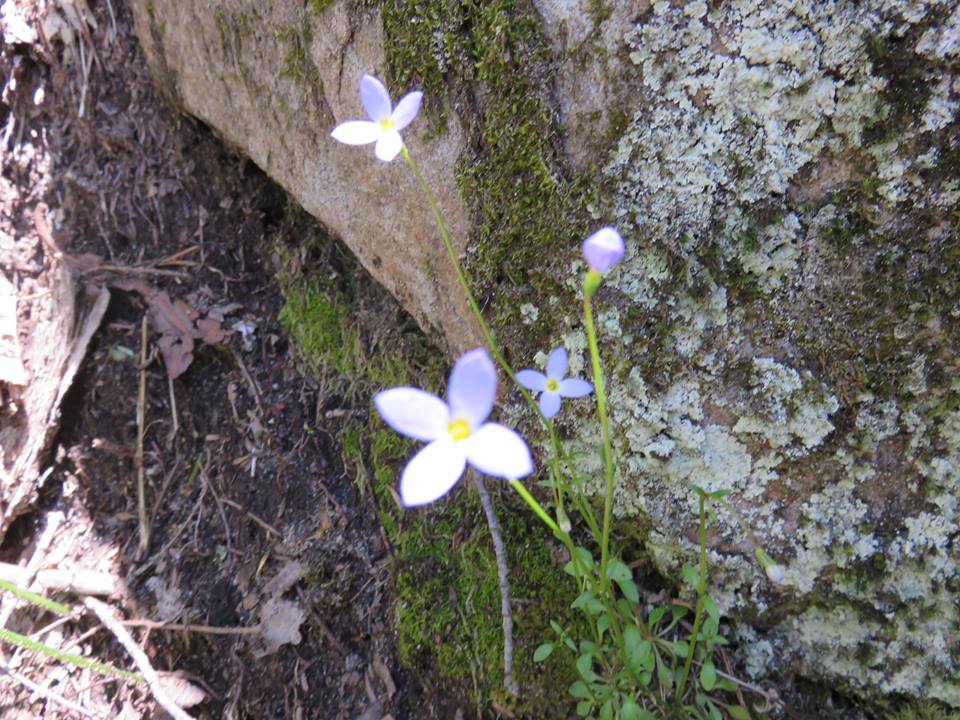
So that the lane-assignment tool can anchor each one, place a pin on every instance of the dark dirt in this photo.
(242, 470)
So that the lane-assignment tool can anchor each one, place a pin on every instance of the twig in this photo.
(105, 613)
(80, 581)
(262, 523)
(205, 629)
(138, 460)
(505, 609)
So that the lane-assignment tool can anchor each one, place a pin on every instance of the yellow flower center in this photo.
(553, 386)
(387, 124)
(459, 430)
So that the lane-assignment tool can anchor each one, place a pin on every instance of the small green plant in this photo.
(635, 661)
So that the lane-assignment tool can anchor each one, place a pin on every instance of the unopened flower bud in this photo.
(603, 250)
(773, 571)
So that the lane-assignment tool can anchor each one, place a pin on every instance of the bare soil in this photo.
(243, 482)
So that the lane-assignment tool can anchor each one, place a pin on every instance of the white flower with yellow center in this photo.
(385, 121)
(553, 386)
(456, 431)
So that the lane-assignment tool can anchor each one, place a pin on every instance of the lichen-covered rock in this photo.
(787, 323)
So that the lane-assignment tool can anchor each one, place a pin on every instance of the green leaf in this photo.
(603, 624)
(580, 691)
(556, 627)
(618, 571)
(655, 616)
(606, 712)
(585, 668)
(691, 576)
(629, 711)
(664, 677)
(738, 712)
(711, 607)
(542, 652)
(584, 707)
(715, 713)
(589, 602)
(708, 676)
(570, 644)
(629, 589)
(639, 651)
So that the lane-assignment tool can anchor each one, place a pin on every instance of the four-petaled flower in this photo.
(553, 385)
(455, 430)
(385, 121)
(603, 250)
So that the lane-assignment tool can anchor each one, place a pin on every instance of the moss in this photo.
(297, 64)
(318, 6)
(528, 215)
(923, 711)
(318, 325)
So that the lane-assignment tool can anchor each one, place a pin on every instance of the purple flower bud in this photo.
(603, 250)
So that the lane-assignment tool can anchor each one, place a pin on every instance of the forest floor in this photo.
(250, 525)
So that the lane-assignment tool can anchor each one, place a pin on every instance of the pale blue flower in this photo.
(385, 121)
(603, 250)
(554, 385)
(455, 430)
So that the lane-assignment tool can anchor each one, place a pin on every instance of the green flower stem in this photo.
(701, 597)
(538, 509)
(604, 431)
(25, 642)
(464, 283)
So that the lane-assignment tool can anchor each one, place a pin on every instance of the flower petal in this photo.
(375, 98)
(498, 451)
(557, 364)
(406, 110)
(357, 132)
(532, 380)
(575, 387)
(413, 412)
(388, 146)
(603, 249)
(432, 472)
(473, 387)
(549, 404)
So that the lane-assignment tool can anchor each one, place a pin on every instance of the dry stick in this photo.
(205, 629)
(105, 613)
(505, 610)
(141, 411)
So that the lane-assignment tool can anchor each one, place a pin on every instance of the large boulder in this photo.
(787, 323)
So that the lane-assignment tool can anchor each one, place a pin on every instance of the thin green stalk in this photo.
(604, 431)
(537, 508)
(38, 600)
(464, 283)
(701, 597)
(25, 642)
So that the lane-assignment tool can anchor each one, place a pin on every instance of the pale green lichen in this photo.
(784, 346)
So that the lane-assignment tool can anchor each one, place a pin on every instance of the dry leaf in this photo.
(185, 694)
